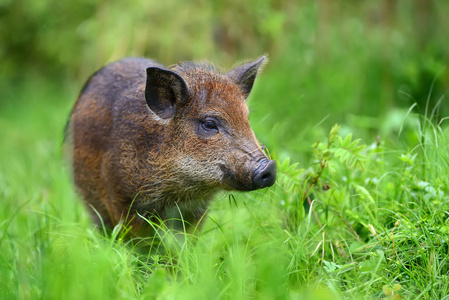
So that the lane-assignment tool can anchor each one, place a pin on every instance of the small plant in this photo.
(337, 155)
(337, 150)
(392, 292)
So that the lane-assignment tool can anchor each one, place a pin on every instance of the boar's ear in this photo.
(244, 75)
(165, 91)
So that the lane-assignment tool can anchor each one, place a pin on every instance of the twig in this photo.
(314, 212)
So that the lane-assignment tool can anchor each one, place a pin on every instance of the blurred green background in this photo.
(370, 66)
(358, 63)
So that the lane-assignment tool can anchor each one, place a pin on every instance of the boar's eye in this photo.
(209, 125)
(207, 128)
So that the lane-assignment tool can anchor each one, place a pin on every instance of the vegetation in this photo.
(360, 209)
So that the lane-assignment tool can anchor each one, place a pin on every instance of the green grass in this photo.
(350, 221)
(344, 220)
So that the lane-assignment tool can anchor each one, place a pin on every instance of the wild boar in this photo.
(150, 141)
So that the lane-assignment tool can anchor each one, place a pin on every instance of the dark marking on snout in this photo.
(265, 174)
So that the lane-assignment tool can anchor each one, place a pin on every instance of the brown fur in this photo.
(127, 159)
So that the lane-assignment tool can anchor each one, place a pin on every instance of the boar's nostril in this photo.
(264, 175)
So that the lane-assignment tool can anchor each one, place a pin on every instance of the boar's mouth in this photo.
(262, 176)
(231, 182)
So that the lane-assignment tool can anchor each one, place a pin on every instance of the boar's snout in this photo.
(265, 174)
